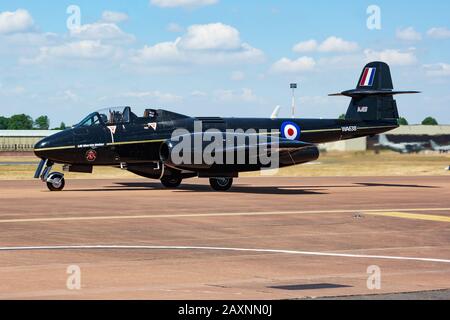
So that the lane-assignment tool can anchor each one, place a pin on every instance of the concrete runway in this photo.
(269, 238)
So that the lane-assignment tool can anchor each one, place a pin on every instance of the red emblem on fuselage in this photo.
(91, 155)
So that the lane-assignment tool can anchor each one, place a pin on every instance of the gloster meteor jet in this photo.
(150, 145)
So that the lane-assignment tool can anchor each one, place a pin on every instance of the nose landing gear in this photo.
(55, 180)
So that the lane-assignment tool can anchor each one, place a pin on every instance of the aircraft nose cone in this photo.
(38, 148)
(41, 144)
(48, 147)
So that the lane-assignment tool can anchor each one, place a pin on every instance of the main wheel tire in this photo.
(56, 182)
(221, 184)
(171, 182)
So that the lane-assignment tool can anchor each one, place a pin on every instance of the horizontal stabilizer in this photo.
(357, 93)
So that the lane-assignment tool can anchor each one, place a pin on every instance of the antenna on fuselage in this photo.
(275, 113)
(293, 87)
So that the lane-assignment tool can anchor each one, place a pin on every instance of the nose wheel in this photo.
(56, 181)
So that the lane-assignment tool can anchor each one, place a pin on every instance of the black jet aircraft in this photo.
(145, 145)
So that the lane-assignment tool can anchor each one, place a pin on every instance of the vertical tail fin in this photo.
(434, 145)
(373, 97)
(383, 139)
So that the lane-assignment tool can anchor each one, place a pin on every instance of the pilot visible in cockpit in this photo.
(150, 114)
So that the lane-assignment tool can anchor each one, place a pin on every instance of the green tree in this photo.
(20, 122)
(430, 121)
(42, 123)
(62, 126)
(342, 117)
(403, 122)
(4, 123)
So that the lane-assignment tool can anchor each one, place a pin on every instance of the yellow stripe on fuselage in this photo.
(135, 142)
(55, 148)
(108, 144)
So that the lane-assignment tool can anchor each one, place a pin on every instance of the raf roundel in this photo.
(290, 131)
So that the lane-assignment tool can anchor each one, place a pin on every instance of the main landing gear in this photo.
(217, 184)
(171, 182)
(221, 184)
(55, 180)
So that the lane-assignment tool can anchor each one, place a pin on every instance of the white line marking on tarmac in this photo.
(411, 216)
(291, 252)
(202, 215)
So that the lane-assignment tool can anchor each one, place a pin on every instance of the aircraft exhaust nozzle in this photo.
(164, 151)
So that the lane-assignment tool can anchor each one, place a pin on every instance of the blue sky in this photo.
(217, 57)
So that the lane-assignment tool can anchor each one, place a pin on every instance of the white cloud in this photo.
(174, 27)
(306, 46)
(198, 94)
(182, 3)
(314, 100)
(334, 44)
(408, 34)
(66, 96)
(245, 95)
(439, 33)
(29, 39)
(15, 22)
(202, 44)
(164, 52)
(331, 44)
(160, 97)
(342, 62)
(114, 17)
(11, 91)
(101, 31)
(83, 50)
(214, 36)
(392, 57)
(96, 41)
(286, 65)
(437, 70)
(70, 96)
(238, 76)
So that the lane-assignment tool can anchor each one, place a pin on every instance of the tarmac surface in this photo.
(268, 238)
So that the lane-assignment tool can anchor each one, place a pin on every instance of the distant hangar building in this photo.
(414, 133)
(21, 140)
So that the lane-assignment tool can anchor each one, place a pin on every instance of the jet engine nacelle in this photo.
(269, 153)
(186, 159)
(296, 157)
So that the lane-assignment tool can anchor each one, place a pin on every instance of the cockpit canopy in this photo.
(123, 115)
(117, 115)
(114, 116)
